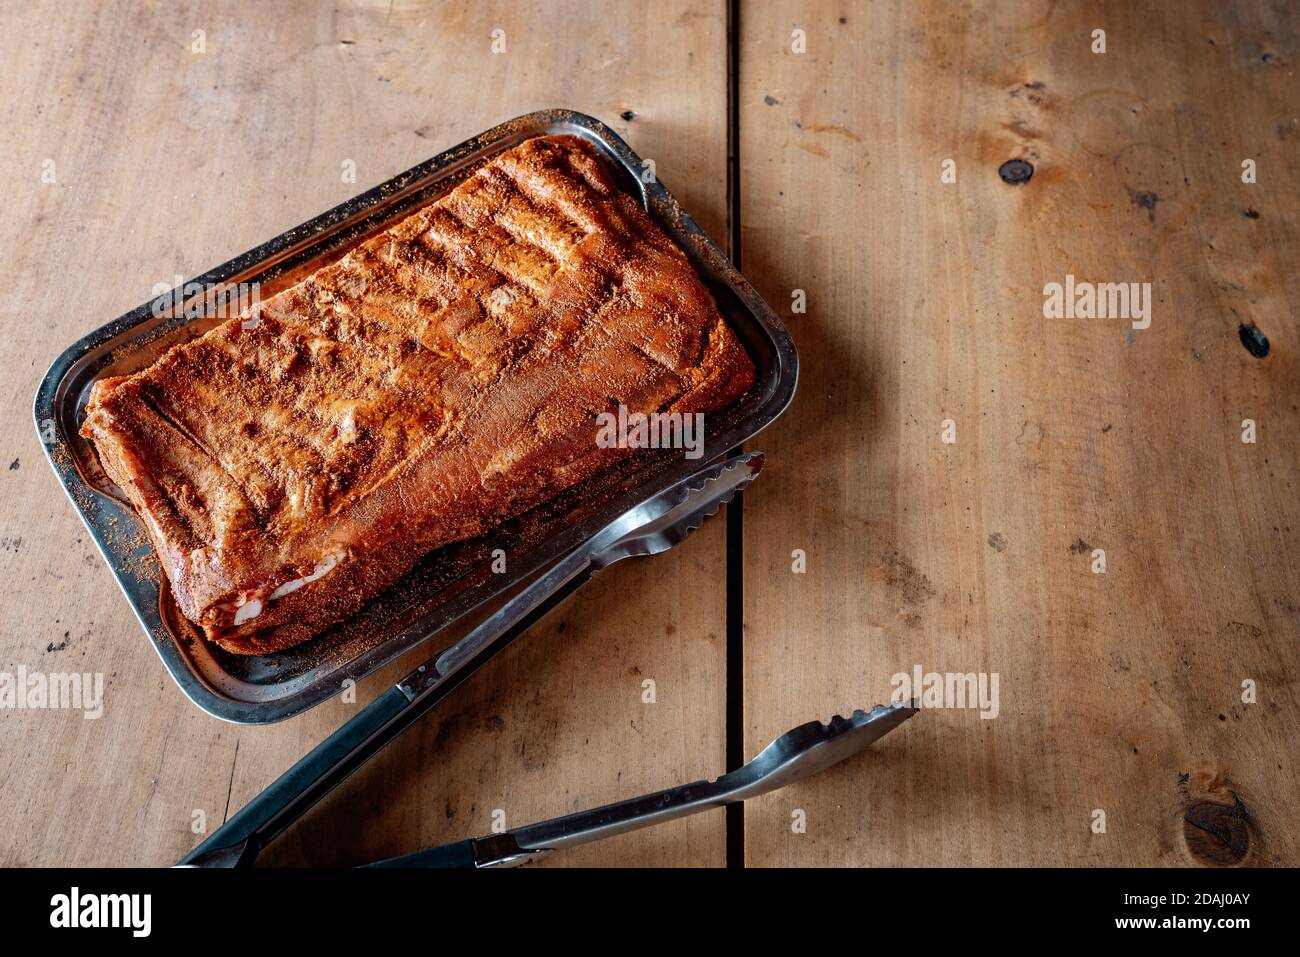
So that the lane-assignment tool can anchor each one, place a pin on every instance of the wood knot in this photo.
(1217, 834)
(1017, 172)
(1256, 342)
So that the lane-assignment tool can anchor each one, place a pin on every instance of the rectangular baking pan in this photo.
(452, 581)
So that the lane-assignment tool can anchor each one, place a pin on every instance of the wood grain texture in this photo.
(167, 162)
(1118, 691)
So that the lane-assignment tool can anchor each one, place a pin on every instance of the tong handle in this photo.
(238, 842)
(458, 855)
(513, 848)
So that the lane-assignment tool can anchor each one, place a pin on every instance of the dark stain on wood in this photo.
(1144, 199)
(903, 577)
(1236, 630)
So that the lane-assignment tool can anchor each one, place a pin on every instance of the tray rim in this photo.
(657, 200)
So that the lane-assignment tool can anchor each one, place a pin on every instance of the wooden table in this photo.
(1120, 692)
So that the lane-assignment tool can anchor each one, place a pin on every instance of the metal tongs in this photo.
(797, 754)
(650, 527)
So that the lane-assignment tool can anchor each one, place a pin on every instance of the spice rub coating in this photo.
(441, 377)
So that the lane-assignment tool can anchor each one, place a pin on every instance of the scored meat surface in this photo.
(441, 377)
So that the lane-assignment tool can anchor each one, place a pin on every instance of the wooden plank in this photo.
(168, 161)
(1119, 692)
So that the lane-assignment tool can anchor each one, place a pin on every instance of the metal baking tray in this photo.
(452, 581)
